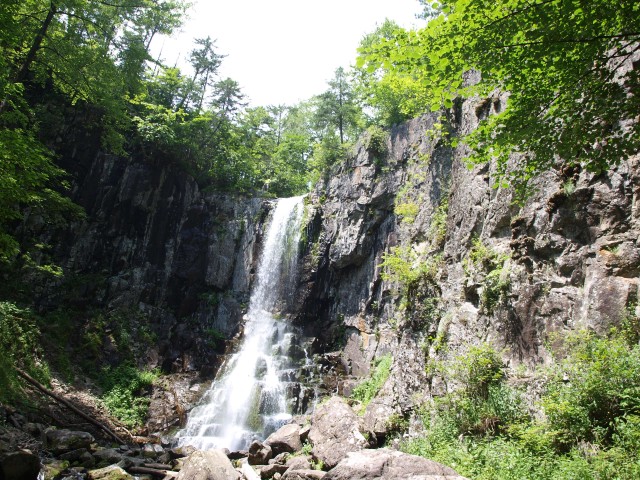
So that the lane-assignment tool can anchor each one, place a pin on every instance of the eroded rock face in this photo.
(335, 431)
(567, 258)
(389, 465)
(208, 465)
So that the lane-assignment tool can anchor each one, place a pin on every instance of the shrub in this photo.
(369, 388)
(376, 139)
(594, 390)
(19, 347)
(493, 269)
(590, 430)
(438, 226)
(124, 393)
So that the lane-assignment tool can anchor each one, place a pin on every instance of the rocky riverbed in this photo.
(332, 443)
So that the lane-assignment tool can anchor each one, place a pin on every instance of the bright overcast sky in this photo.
(284, 51)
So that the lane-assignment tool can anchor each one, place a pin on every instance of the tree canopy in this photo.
(565, 64)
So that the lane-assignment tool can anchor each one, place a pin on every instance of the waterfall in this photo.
(248, 398)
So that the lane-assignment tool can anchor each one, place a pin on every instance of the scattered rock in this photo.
(151, 450)
(304, 432)
(299, 462)
(180, 452)
(107, 455)
(259, 453)
(112, 472)
(304, 475)
(60, 441)
(390, 465)
(285, 439)
(73, 455)
(280, 459)
(208, 465)
(269, 471)
(335, 431)
(237, 455)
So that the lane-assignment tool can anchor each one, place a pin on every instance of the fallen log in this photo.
(69, 405)
(153, 471)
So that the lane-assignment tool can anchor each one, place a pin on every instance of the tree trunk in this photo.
(21, 74)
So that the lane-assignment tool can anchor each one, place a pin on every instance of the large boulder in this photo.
(335, 431)
(389, 465)
(208, 465)
(60, 441)
(20, 465)
(259, 453)
(285, 439)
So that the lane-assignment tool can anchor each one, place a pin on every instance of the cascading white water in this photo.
(247, 399)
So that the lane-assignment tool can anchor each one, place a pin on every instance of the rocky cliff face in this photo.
(406, 250)
(479, 267)
(158, 249)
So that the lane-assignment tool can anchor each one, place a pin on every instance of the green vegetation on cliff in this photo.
(589, 421)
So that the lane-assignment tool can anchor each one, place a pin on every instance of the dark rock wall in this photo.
(152, 241)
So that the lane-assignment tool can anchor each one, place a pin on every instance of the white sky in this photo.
(283, 51)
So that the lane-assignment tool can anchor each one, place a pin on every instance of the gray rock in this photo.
(20, 465)
(335, 431)
(285, 439)
(112, 472)
(87, 460)
(107, 455)
(259, 453)
(208, 465)
(299, 462)
(73, 455)
(269, 471)
(304, 475)
(152, 450)
(280, 459)
(389, 465)
(60, 441)
(304, 432)
(180, 452)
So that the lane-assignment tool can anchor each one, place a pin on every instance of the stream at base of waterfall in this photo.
(257, 389)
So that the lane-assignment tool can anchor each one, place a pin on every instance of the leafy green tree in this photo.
(567, 65)
(392, 96)
(79, 51)
(205, 62)
(337, 108)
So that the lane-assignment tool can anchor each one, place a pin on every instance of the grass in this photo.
(588, 427)
(369, 388)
